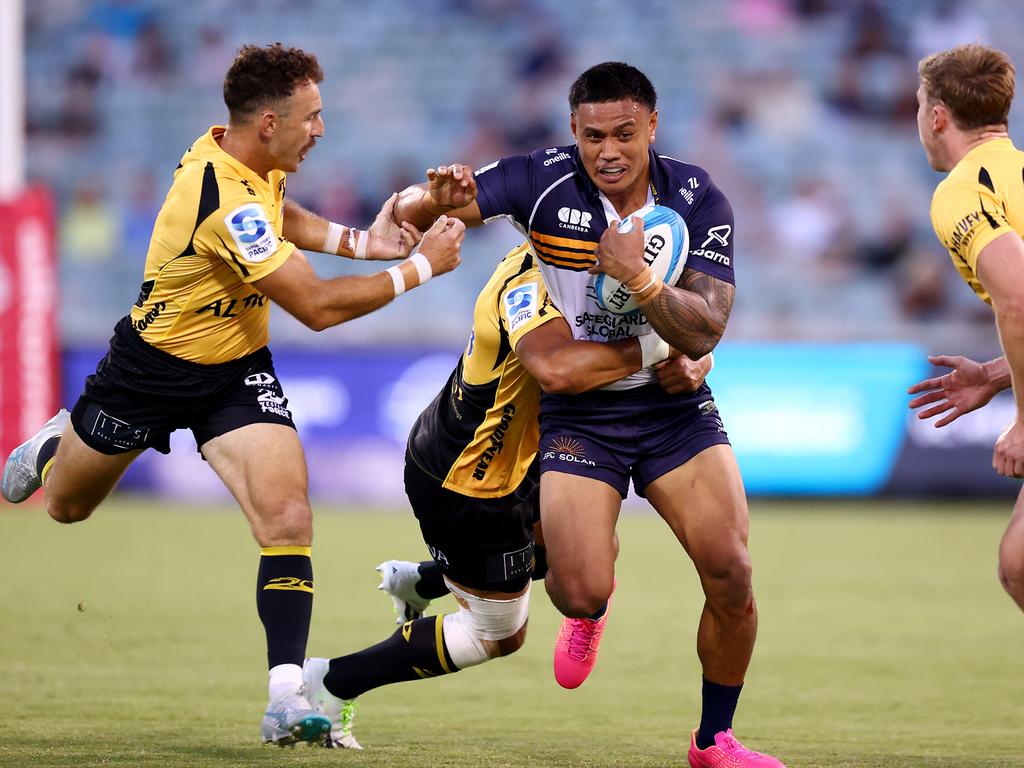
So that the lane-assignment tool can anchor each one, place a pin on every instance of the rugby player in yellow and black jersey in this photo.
(977, 211)
(472, 479)
(192, 352)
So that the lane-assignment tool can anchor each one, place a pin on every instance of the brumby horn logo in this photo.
(574, 219)
(718, 235)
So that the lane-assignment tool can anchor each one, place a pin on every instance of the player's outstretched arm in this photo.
(384, 241)
(321, 304)
(562, 364)
(450, 190)
(967, 387)
(1001, 271)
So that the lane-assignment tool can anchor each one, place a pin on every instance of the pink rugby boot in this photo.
(576, 648)
(727, 752)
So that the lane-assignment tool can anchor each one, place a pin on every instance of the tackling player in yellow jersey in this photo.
(192, 351)
(471, 476)
(978, 214)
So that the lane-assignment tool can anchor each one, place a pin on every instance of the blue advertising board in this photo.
(804, 419)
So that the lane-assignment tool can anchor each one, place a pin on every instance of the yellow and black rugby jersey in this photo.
(218, 230)
(480, 434)
(981, 199)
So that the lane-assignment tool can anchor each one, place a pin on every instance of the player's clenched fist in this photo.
(451, 186)
(442, 244)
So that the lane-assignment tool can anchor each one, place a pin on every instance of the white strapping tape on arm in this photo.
(423, 268)
(397, 278)
(653, 349)
(333, 238)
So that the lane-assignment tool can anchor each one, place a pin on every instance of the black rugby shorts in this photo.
(484, 544)
(140, 394)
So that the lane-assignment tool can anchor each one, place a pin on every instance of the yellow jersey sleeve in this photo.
(966, 217)
(246, 238)
(525, 305)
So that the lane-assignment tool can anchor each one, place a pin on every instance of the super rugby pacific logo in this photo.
(250, 224)
(520, 305)
(250, 229)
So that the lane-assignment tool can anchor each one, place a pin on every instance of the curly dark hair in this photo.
(612, 81)
(260, 76)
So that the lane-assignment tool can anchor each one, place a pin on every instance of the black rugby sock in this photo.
(719, 705)
(284, 600)
(415, 651)
(431, 584)
(46, 452)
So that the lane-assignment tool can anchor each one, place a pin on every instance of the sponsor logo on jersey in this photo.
(719, 235)
(497, 442)
(520, 305)
(147, 319)
(560, 157)
(568, 449)
(250, 228)
(571, 218)
(228, 307)
(715, 256)
(687, 195)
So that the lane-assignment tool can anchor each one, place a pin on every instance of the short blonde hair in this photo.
(975, 81)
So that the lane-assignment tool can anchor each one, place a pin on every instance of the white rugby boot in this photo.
(20, 479)
(341, 712)
(399, 579)
(290, 718)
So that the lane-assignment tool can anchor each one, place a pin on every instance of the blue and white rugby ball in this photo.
(666, 244)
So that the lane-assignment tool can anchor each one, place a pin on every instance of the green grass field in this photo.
(885, 641)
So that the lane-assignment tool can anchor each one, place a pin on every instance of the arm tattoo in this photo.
(692, 316)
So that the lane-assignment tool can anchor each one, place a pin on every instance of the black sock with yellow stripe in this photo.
(284, 600)
(414, 652)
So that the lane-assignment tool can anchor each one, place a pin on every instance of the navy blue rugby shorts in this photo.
(140, 394)
(639, 433)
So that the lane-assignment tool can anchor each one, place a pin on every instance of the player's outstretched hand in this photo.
(681, 374)
(621, 254)
(1008, 456)
(964, 389)
(451, 186)
(388, 240)
(442, 244)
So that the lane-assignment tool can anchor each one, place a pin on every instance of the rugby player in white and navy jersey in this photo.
(566, 201)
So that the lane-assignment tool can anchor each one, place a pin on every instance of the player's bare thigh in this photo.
(704, 503)
(81, 477)
(264, 467)
(579, 516)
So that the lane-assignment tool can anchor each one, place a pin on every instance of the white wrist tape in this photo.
(362, 240)
(653, 349)
(423, 268)
(333, 238)
(397, 279)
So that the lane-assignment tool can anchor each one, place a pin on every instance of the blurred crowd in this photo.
(802, 110)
